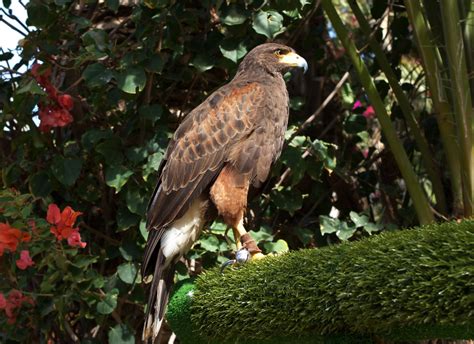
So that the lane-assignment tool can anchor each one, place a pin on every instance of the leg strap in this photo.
(249, 243)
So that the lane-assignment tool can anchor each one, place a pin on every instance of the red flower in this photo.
(14, 301)
(54, 214)
(25, 260)
(43, 75)
(75, 240)
(52, 117)
(369, 112)
(63, 225)
(65, 100)
(10, 238)
(56, 112)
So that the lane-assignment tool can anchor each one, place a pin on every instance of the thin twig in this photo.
(323, 105)
(15, 18)
(99, 233)
(70, 331)
(12, 27)
(22, 4)
(74, 84)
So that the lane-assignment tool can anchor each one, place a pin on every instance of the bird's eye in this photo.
(278, 52)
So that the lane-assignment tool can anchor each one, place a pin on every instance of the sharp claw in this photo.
(226, 264)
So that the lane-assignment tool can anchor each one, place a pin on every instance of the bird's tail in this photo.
(157, 299)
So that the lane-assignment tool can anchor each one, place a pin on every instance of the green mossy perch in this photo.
(404, 285)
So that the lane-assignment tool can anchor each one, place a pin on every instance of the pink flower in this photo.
(75, 240)
(25, 260)
(357, 104)
(365, 153)
(369, 112)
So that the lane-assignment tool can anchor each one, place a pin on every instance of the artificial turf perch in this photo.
(402, 285)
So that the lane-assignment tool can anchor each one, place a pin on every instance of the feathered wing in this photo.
(205, 141)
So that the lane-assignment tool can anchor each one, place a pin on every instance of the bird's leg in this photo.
(247, 241)
(246, 246)
(237, 238)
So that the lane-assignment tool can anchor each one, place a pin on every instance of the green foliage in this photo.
(407, 285)
(132, 80)
(130, 86)
(62, 277)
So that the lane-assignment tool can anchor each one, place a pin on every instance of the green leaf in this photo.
(111, 150)
(345, 231)
(268, 23)
(97, 75)
(31, 87)
(203, 62)
(325, 152)
(232, 49)
(152, 164)
(372, 227)
(277, 247)
(121, 334)
(66, 170)
(126, 219)
(143, 230)
(108, 304)
(289, 199)
(40, 185)
(359, 220)
(264, 234)
(209, 243)
(7, 3)
(155, 63)
(39, 14)
(218, 228)
(136, 202)
(113, 4)
(81, 22)
(328, 225)
(304, 234)
(127, 272)
(292, 157)
(233, 15)
(117, 176)
(84, 261)
(151, 112)
(130, 251)
(91, 137)
(97, 38)
(136, 154)
(354, 124)
(132, 80)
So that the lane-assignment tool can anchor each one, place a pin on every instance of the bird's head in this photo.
(274, 58)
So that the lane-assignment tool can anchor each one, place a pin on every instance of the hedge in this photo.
(399, 285)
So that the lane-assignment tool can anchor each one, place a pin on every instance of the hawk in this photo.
(222, 148)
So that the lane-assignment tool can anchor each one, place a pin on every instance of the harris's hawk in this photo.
(224, 146)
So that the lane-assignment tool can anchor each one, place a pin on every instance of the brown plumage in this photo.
(223, 146)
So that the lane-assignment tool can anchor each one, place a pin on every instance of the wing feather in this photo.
(200, 148)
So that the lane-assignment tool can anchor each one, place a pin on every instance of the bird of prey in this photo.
(222, 148)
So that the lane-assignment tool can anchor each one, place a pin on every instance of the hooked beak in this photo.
(294, 60)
